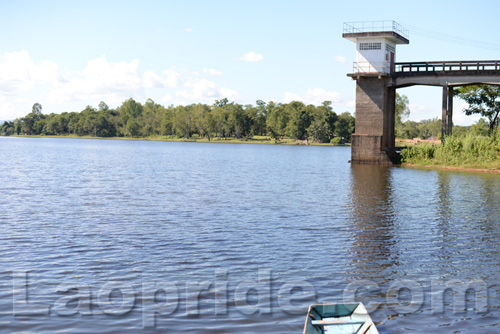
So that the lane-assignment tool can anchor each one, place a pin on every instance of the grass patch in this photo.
(469, 151)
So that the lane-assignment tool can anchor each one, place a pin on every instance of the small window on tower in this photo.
(370, 46)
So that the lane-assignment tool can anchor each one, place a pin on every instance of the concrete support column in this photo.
(374, 139)
(444, 113)
(389, 138)
(449, 119)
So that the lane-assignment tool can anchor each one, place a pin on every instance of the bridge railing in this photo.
(447, 66)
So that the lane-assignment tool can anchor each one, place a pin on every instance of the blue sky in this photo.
(66, 55)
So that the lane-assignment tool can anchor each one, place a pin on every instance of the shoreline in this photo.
(455, 168)
(264, 140)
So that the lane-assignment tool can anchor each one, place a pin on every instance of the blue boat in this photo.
(339, 319)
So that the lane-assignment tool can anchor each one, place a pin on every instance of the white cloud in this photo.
(420, 112)
(418, 108)
(289, 97)
(202, 90)
(314, 96)
(212, 72)
(152, 80)
(231, 94)
(170, 78)
(166, 99)
(8, 110)
(350, 103)
(252, 57)
(460, 118)
(105, 76)
(341, 59)
(18, 72)
(103, 80)
(173, 78)
(198, 90)
(188, 30)
(98, 80)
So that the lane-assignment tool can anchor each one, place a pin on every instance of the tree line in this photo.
(223, 119)
(231, 120)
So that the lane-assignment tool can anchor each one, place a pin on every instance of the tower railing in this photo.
(375, 26)
(370, 67)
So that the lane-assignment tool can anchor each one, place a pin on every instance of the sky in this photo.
(66, 55)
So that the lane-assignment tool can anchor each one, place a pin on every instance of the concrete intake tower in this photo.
(374, 140)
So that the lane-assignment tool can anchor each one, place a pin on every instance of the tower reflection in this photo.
(373, 247)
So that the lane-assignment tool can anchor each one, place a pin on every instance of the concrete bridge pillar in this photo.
(374, 140)
(447, 111)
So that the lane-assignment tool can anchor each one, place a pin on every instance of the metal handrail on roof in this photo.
(375, 26)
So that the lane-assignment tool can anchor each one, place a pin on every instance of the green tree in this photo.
(27, 124)
(133, 128)
(151, 118)
(7, 129)
(238, 121)
(410, 130)
(130, 110)
(402, 113)
(480, 128)
(345, 125)
(183, 123)
(36, 109)
(322, 126)
(221, 103)
(427, 128)
(299, 121)
(103, 106)
(277, 120)
(203, 120)
(260, 118)
(166, 120)
(53, 127)
(483, 100)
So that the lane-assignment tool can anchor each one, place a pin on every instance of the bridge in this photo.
(378, 76)
(442, 73)
(447, 74)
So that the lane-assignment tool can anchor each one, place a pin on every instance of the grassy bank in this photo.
(231, 140)
(470, 151)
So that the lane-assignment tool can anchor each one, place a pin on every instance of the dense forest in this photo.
(221, 120)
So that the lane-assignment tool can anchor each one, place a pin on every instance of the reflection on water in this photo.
(374, 246)
(427, 228)
(207, 220)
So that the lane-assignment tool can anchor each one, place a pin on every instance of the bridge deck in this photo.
(446, 73)
(447, 67)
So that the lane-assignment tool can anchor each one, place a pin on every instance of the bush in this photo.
(422, 152)
(470, 150)
(335, 140)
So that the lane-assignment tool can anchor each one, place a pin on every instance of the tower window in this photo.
(370, 46)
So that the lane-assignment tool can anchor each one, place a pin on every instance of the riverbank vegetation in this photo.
(466, 151)
(223, 120)
(477, 146)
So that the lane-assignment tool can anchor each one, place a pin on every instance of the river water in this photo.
(109, 236)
